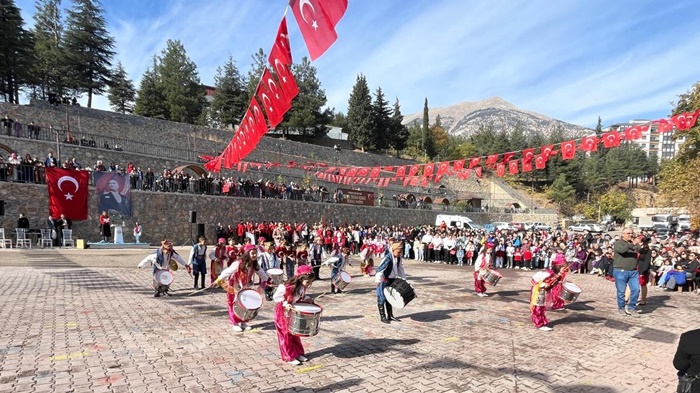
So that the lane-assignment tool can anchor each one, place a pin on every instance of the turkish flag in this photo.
(548, 151)
(284, 74)
(492, 159)
(507, 157)
(528, 154)
(375, 171)
(335, 9)
(443, 168)
(500, 169)
(316, 25)
(256, 120)
(362, 172)
(477, 172)
(465, 174)
(406, 180)
(664, 125)
(428, 169)
(424, 182)
(274, 103)
(68, 193)
(401, 171)
(568, 150)
(527, 165)
(634, 133)
(513, 167)
(281, 50)
(589, 143)
(474, 162)
(458, 165)
(540, 161)
(414, 170)
(414, 181)
(611, 139)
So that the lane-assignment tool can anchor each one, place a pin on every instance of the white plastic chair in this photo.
(4, 242)
(68, 238)
(46, 239)
(22, 240)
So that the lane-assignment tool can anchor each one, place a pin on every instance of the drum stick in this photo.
(198, 291)
(320, 296)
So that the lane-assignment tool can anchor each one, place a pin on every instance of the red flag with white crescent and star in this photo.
(68, 193)
(316, 25)
(611, 139)
(589, 143)
(474, 162)
(513, 167)
(568, 150)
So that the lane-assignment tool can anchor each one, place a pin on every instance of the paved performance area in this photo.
(87, 321)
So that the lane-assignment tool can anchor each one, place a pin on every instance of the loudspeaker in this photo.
(2, 208)
(193, 217)
(200, 231)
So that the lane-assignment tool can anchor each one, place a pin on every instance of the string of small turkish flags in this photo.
(277, 88)
(513, 162)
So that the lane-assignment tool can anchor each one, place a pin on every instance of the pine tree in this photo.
(307, 114)
(255, 72)
(121, 91)
(382, 120)
(230, 97)
(15, 51)
(360, 115)
(599, 127)
(48, 68)
(88, 49)
(182, 90)
(150, 101)
(399, 132)
(428, 145)
(518, 140)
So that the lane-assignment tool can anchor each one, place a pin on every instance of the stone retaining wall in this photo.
(166, 214)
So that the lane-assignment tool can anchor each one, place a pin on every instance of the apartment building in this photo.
(652, 142)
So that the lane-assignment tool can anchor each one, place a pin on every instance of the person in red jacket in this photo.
(527, 257)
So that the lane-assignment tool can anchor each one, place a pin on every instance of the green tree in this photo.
(518, 139)
(562, 193)
(150, 101)
(599, 127)
(428, 145)
(398, 132)
(307, 114)
(414, 146)
(182, 90)
(360, 115)
(88, 49)
(121, 91)
(48, 69)
(340, 120)
(483, 139)
(230, 99)
(617, 204)
(381, 114)
(15, 51)
(255, 72)
(441, 141)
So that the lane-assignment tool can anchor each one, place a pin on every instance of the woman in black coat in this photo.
(687, 359)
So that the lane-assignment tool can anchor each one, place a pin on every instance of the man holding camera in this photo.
(625, 271)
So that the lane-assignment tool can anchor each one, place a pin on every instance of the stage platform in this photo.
(113, 246)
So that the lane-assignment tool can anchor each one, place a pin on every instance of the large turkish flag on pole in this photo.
(316, 25)
(68, 193)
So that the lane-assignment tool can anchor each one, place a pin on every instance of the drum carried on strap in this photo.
(304, 319)
(570, 292)
(162, 278)
(492, 277)
(247, 304)
(342, 279)
(399, 293)
(277, 275)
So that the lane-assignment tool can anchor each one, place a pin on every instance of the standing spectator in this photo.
(138, 230)
(51, 224)
(33, 130)
(687, 358)
(22, 221)
(7, 125)
(625, 271)
(3, 169)
(105, 229)
(150, 178)
(61, 224)
(50, 161)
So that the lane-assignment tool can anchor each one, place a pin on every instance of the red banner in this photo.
(68, 193)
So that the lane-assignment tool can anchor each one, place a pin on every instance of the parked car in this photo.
(590, 227)
(516, 226)
(540, 226)
(499, 226)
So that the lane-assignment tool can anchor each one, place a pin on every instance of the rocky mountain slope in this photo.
(466, 118)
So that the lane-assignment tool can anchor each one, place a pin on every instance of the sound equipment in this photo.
(2, 208)
(200, 231)
(193, 217)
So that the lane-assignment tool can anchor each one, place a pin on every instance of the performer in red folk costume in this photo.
(239, 276)
(481, 268)
(218, 256)
(558, 287)
(302, 255)
(542, 296)
(231, 252)
(286, 295)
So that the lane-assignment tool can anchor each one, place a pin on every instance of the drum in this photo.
(173, 265)
(304, 319)
(570, 292)
(492, 277)
(399, 293)
(277, 276)
(162, 278)
(342, 279)
(247, 304)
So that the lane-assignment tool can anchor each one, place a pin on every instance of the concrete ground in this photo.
(86, 321)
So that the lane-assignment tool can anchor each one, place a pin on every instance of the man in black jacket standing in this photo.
(626, 252)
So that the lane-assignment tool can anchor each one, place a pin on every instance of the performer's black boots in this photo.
(390, 312)
(268, 294)
(381, 314)
(196, 278)
(203, 277)
(332, 288)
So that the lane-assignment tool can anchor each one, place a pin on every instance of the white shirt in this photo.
(278, 297)
(427, 238)
(482, 262)
(396, 271)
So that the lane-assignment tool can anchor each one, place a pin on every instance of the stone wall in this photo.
(166, 215)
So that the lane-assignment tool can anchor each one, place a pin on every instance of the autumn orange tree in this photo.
(678, 178)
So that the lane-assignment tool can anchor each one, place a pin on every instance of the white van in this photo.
(455, 221)
(683, 222)
(667, 221)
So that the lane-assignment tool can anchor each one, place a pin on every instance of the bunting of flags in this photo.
(501, 163)
(277, 87)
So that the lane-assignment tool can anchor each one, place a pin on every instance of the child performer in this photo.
(218, 256)
(338, 266)
(231, 252)
(198, 259)
(541, 294)
(240, 276)
(481, 267)
(161, 260)
(558, 287)
(286, 295)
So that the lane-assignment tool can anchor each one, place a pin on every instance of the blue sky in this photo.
(570, 60)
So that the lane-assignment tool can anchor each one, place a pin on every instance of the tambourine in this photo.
(173, 265)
